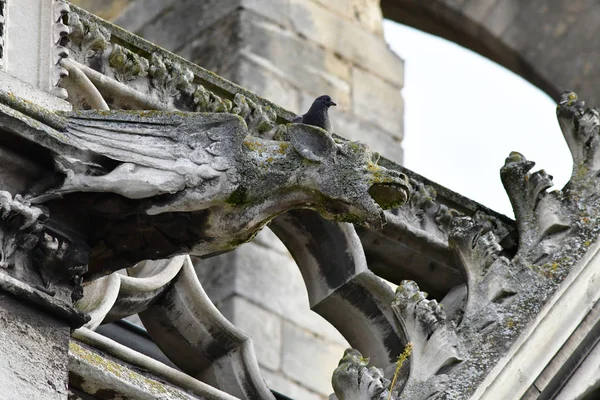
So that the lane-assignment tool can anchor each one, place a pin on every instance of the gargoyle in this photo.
(149, 185)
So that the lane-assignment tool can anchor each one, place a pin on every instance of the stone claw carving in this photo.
(436, 347)
(354, 380)
(538, 213)
(20, 226)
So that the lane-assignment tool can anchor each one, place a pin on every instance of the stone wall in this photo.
(289, 51)
(260, 289)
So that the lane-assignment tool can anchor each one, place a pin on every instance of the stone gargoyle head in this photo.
(150, 185)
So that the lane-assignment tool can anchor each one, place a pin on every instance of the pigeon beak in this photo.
(331, 103)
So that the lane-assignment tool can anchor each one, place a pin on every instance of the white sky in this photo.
(464, 114)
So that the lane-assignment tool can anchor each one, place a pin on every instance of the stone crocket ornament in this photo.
(318, 114)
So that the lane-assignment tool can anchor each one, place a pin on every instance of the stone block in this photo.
(255, 74)
(298, 61)
(180, 24)
(138, 13)
(346, 39)
(216, 49)
(366, 13)
(501, 16)
(277, 11)
(273, 281)
(477, 9)
(266, 277)
(262, 326)
(33, 349)
(276, 381)
(376, 101)
(352, 128)
(217, 275)
(309, 359)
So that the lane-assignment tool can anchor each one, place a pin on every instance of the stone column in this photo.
(288, 51)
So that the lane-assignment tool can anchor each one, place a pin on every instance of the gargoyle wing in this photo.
(156, 152)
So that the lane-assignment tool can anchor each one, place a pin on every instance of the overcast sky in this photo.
(464, 114)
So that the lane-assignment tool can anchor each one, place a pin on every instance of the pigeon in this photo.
(317, 114)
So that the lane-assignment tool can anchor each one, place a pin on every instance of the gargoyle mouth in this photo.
(390, 194)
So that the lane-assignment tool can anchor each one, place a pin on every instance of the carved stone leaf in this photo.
(436, 346)
(525, 191)
(127, 65)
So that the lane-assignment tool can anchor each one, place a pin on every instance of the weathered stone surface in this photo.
(213, 171)
(296, 60)
(217, 48)
(305, 358)
(341, 36)
(287, 387)
(354, 380)
(33, 53)
(268, 239)
(262, 326)
(477, 9)
(107, 9)
(366, 13)
(388, 144)
(377, 101)
(251, 73)
(138, 13)
(178, 26)
(33, 348)
(266, 278)
(92, 373)
(190, 330)
(549, 43)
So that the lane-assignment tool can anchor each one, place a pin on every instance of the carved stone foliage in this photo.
(502, 291)
(456, 343)
(537, 212)
(487, 273)
(436, 347)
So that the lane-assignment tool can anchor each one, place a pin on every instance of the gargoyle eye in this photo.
(572, 96)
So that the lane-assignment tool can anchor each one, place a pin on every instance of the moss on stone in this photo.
(238, 197)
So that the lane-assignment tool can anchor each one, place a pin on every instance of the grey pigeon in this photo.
(317, 114)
